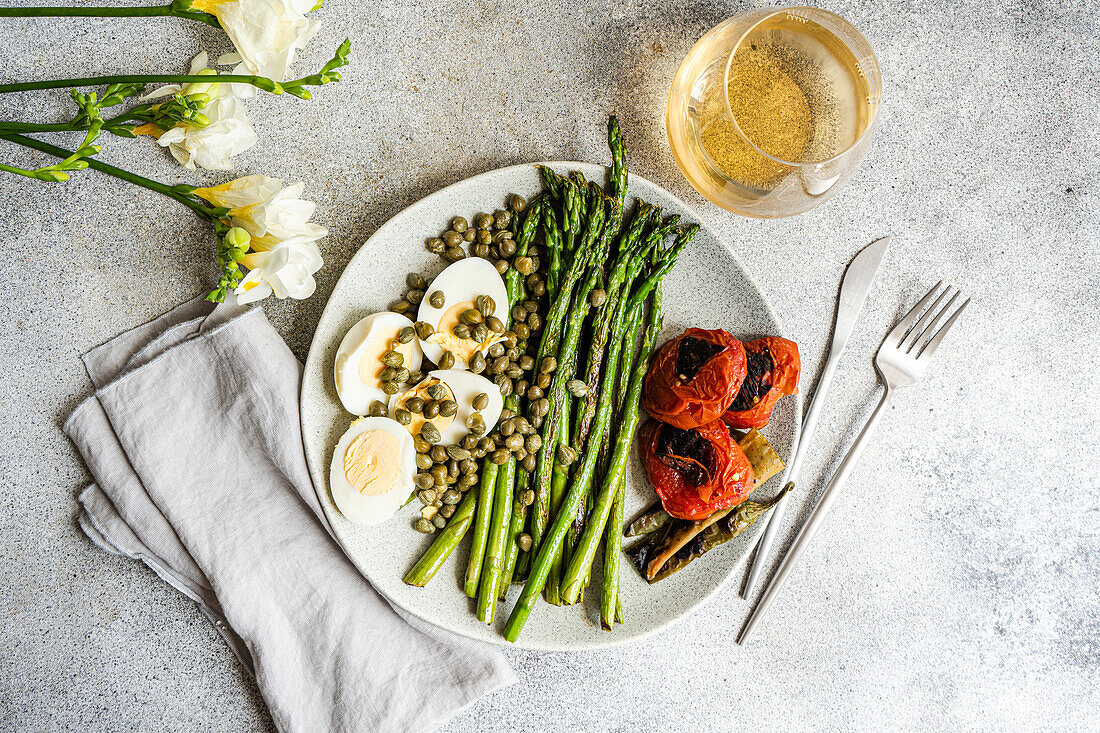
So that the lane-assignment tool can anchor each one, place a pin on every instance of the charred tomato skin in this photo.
(730, 480)
(779, 380)
(707, 394)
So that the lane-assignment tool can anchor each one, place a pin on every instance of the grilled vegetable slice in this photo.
(694, 378)
(773, 367)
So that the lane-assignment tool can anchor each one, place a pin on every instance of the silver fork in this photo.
(900, 362)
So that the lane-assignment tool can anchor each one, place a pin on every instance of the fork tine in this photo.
(929, 348)
(931, 315)
(899, 332)
(927, 326)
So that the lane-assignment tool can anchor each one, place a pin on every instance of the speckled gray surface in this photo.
(955, 583)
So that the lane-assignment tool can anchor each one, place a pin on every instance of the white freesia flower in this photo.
(266, 33)
(267, 211)
(285, 270)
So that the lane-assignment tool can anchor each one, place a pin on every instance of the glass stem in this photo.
(119, 173)
(108, 12)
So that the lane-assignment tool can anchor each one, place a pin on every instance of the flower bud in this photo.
(238, 238)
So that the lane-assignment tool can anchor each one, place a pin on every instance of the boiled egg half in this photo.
(460, 284)
(358, 367)
(372, 470)
(460, 386)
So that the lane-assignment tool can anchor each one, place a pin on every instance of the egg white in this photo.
(363, 508)
(465, 386)
(356, 394)
(461, 281)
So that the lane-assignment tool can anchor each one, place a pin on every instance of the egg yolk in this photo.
(444, 335)
(418, 419)
(372, 462)
(370, 363)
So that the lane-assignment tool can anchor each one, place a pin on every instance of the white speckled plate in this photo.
(708, 288)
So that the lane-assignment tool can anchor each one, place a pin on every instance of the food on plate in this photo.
(377, 354)
(462, 312)
(773, 367)
(672, 543)
(695, 472)
(372, 470)
(694, 378)
(454, 402)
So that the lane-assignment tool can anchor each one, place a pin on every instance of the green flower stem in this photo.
(260, 82)
(172, 192)
(83, 11)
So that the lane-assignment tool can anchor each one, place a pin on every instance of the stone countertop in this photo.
(955, 583)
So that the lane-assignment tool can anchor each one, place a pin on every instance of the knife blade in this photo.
(853, 291)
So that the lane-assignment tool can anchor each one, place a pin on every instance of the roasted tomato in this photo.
(694, 378)
(695, 472)
(772, 373)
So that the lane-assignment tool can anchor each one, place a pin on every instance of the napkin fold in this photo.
(193, 440)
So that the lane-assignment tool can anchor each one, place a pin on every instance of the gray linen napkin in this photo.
(193, 439)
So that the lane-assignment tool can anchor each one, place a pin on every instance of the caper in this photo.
(484, 236)
(421, 445)
(521, 385)
(502, 219)
(539, 408)
(468, 479)
(513, 371)
(437, 299)
(485, 305)
(451, 497)
(524, 541)
(415, 378)
(469, 443)
(597, 297)
(426, 496)
(377, 409)
(534, 392)
(495, 324)
(534, 322)
(414, 296)
(454, 254)
(414, 404)
(470, 317)
(436, 246)
(504, 384)
(452, 469)
(477, 363)
(538, 288)
(423, 330)
(507, 248)
(530, 463)
(439, 453)
(452, 238)
(499, 457)
(439, 473)
(499, 236)
(406, 335)
(524, 265)
(480, 333)
(424, 480)
(517, 203)
(481, 250)
(566, 455)
(526, 362)
(461, 330)
(392, 358)
(544, 380)
(437, 392)
(448, 408)
(401, 306)
(458, 453)
(523, 425)
(448, 510)
(390, 387)
(387, 374)
(513, 354)
(499, 365)
(423, 526)
(447, 360)
(533, 443)
(520, 453)
(577, 388)
(483, 221)
(401, 374)
(548, 365)
(459, 224)
(430, 433)
(402, 416)
(431, 409)
(523, 331)
(510, 339)
(513, 442)
(469, 235)
(439, 521)
(519, 314)
(480, 401)
(496, 350)
(423, 461)
(475, 419)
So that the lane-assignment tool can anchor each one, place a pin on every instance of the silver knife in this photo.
(853, 291)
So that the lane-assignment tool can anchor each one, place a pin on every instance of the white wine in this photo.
(784, 95)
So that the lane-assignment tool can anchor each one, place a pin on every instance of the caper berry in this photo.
(517, 203)
(480, 401)
(437, 299)
(423, 330)
(448, 408)
(437, 392)
(524, 541)
(436, 246)
(480, 333)
(524, 265)
(447, 360)
(423, 526)
(402, 416)
(452, 238)
(401, 306)
(459, 224)
(454, 254)
(477, 364)
(597, 297)
(430, 433)
(483, 221)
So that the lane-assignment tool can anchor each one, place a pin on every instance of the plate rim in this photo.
(612, 640)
